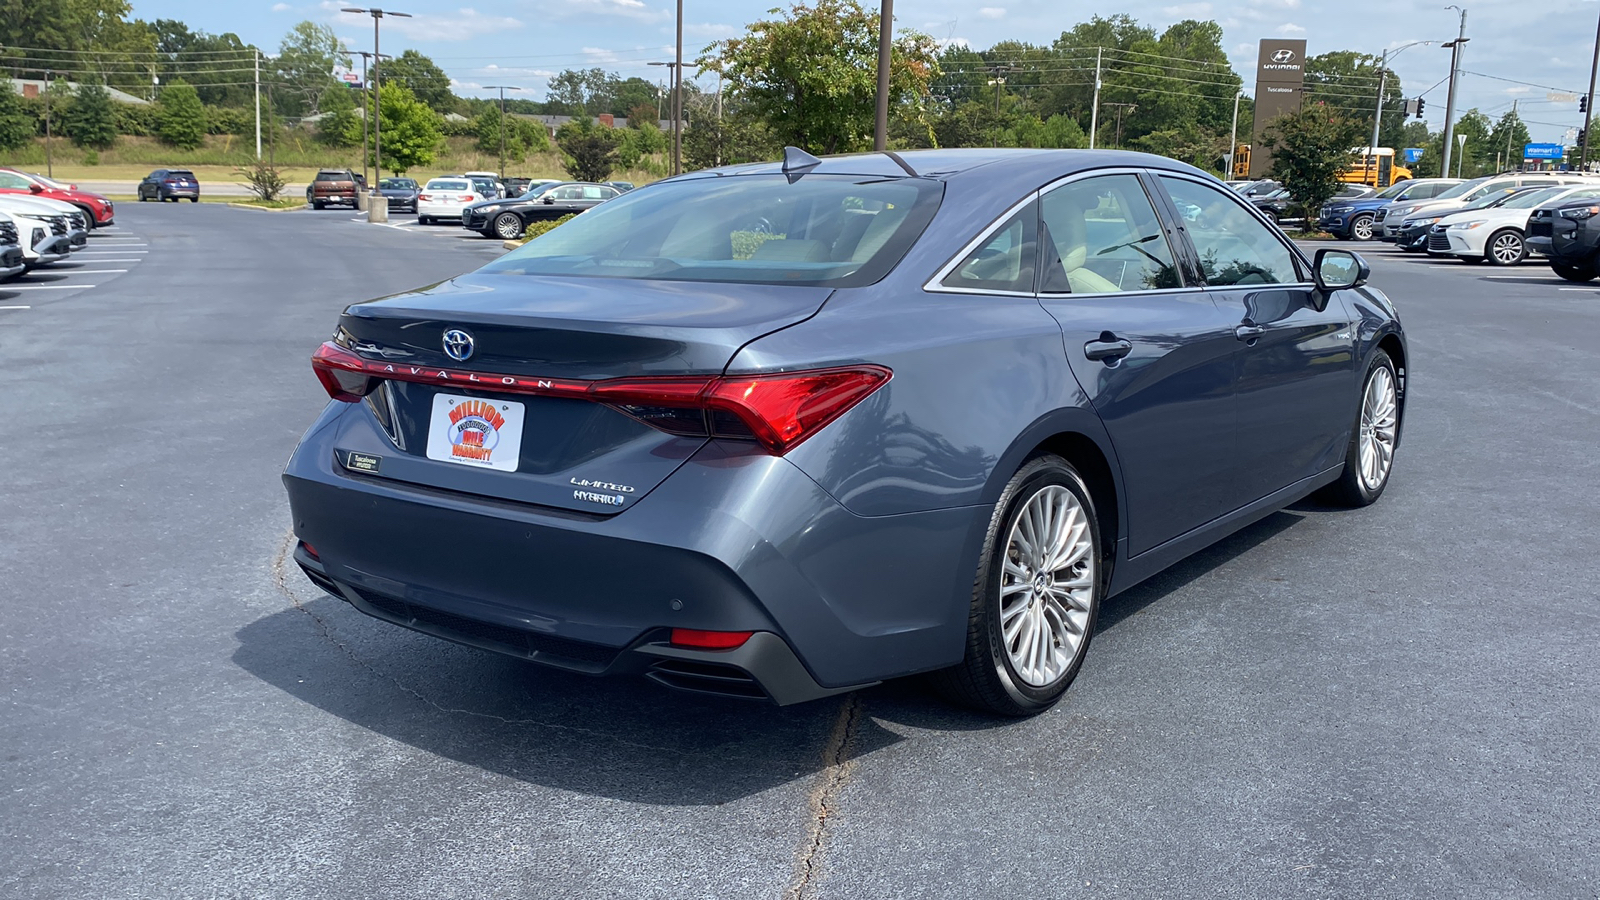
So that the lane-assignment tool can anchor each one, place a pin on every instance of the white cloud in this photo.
(992, 12)
(628, 9)
(1519, 90)
(1290, 28)
(1188, 10)
(711, 30)
(281, 7)
(464, 24)
(597, 55)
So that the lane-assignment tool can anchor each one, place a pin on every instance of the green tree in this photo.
(1508, 139)
(423, 77)
(736, 136)
(340, 125)
(16, 125)
(588, 149)
(1348, 82)
(574, 92)
(1310, 148)
(305, 63)
(811, 73)
(90, 119)
(411, 135)
(180, 117)
(210, 62)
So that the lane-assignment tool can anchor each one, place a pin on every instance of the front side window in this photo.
(13, 180)
(1234, 247)
(1101, 236)
(824, 230)
(1004, 262)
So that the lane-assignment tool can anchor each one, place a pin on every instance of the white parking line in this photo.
(119, 259)
(1580, 290)
(44, 287)
(87, 271)
(113, 251)
(16, 307)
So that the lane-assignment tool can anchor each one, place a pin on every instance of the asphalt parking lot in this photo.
(1401, 701)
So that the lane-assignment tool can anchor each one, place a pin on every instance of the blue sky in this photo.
(524, 42)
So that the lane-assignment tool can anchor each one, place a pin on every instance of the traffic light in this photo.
(1583, 103)
(1421, 105)
(1583, 136)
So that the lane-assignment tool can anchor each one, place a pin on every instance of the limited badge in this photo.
(362, 462)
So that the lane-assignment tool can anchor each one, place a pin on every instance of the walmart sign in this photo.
(1543, 151)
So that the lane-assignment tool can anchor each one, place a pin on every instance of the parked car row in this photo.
(508, 219)
(97, 210)
(38, 231)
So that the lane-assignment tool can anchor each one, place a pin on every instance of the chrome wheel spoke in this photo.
(1047, 585)
(1379, 423)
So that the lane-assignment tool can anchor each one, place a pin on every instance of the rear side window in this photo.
(824, 230)
(1004, 262)
(1101, 236)
(1234, 247)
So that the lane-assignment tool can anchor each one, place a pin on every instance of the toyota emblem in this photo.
(1283, 56)
(458, 345)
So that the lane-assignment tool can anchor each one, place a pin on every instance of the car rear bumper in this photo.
(439, 210)
(735, 540)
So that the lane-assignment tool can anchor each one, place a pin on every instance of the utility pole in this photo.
(502, 88)
(258, 104)
(1120, 107)
(880, 137)
(1233, 135)
(1588, 112)
(377, 120)
(999, 80)
(1456, 46)
(49, 162)
(1377, 116)
(367, 109)
(1094, 113)
(677, 99)
(1511, 127)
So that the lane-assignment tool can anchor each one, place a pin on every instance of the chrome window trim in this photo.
(1120, 170)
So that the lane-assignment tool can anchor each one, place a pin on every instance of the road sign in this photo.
(1543, 151)
(1561, 97)
(1413, 154)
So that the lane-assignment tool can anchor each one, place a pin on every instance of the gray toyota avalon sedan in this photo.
(785, 430)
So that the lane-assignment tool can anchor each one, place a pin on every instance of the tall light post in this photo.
(1383, 86)
(998, 79)
(366, 56)
(502, 88)
(1233, 135)
(1588, 109)
(1455, 47)
(676, 72)
(880, 126)
(377, 120)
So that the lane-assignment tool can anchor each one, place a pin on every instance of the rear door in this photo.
(1294, 362)
(1154, 355)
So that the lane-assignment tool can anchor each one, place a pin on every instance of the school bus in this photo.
(1376, 168)
(1241, 162)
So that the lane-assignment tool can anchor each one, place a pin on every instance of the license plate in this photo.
(475, 432)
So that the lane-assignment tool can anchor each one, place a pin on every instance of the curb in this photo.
(510, 245)
(264, 208)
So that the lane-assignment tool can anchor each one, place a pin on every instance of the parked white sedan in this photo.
(445, 198)
(1497, 233)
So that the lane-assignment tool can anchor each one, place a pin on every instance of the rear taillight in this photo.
(466, 198)
(695, 639)
(428, 197)
(779, 410)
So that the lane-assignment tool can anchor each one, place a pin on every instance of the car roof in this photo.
(956, 164)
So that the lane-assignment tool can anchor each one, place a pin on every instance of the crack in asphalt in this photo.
(280, 578)
(837, 767)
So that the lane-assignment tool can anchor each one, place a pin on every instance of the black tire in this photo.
(1366, 219)
(194, 199)
(317, 204)
(424, 220)
(986, 678)
(507, 226)
(142, 197)
(1574, 273)
(1352, 490)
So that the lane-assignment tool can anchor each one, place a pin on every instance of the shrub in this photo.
(91, 121)
(134, 120)
(264, 179)
(181, 119)
(537, 228)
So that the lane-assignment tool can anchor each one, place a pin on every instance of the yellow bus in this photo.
(1376, 168)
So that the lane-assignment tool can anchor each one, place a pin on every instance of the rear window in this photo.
(180, 173)
(827, 230)
(333, 176)
(442, 185)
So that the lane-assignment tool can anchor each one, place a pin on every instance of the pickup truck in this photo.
(334, 186)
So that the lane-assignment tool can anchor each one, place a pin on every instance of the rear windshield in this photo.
(439, 185)
(180, 173)
(828, 230)
(333, 176)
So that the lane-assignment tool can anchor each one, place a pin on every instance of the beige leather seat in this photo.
(1071, 236)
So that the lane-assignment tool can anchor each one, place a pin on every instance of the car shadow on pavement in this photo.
(621, 738)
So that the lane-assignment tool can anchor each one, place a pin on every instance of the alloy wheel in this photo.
(1379, 427)
(1506, 249)
(508, 226)
(1361, 228)
(1047, 586)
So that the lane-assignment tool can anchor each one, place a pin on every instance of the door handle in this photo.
(1109, 348)
(1249, 331)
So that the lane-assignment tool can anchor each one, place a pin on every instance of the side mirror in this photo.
(37, 189)
(1338, 270)
(549, 199)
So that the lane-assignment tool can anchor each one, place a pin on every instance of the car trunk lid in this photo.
(571, 451)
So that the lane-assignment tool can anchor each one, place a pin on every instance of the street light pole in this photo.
(1456, 46)
(1233, 135)
(1094, 112)
(676, 71)
(49, 163)
(880, 131)
(258, 102)
(502, 88)
(1588, 111)
(377, 119)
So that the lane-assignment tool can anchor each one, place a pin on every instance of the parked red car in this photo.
(96, 208)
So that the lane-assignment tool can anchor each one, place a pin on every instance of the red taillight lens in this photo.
(778, 410)
(694, 639)
(342, 373)
(425, 197)
(310, 551)
(467, 198)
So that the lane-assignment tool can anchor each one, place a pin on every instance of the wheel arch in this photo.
(1396, 348)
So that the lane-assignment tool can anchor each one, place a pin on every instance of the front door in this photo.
(1294, 361)
(1155, 356)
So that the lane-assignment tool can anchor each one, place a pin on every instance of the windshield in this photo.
(1531, 199)
(48, 182)
(440, 185)
(1394, 190)
(826, 230)
(397, 184)
(1461, 190)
